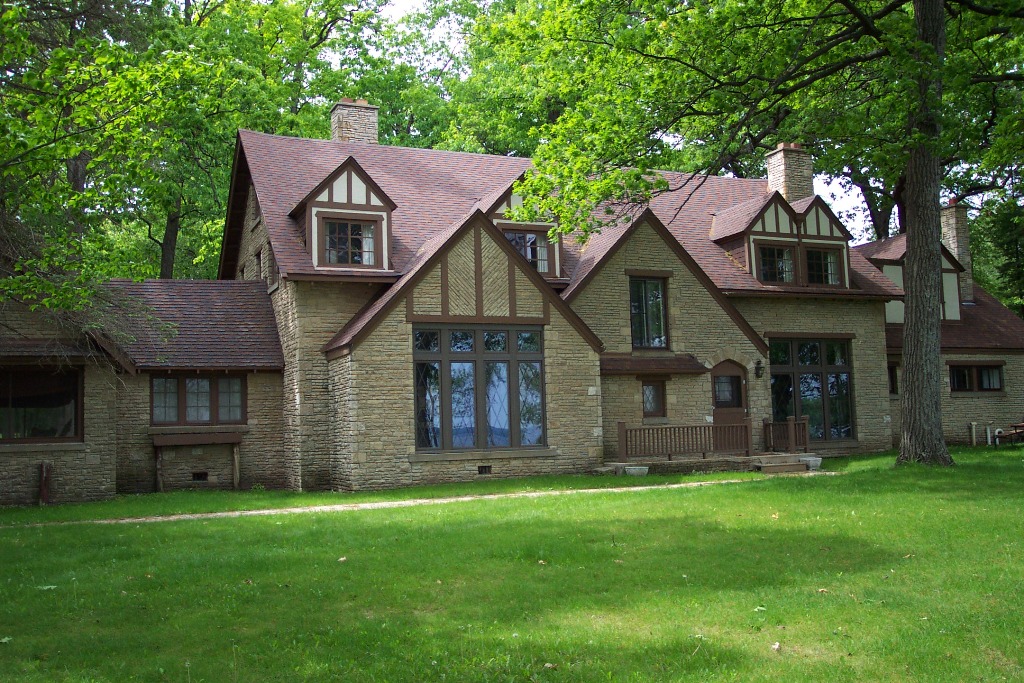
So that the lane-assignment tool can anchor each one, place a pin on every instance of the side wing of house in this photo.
(470, 367)
(676, 350)
(57, 414)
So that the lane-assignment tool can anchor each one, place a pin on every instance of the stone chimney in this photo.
(354, 121)
(956, 235)
(790, 171)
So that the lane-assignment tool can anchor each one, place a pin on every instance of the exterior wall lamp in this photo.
(758, 369)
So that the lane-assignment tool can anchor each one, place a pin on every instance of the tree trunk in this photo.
(169, 245)
(922, 439)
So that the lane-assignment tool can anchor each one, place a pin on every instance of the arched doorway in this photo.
(729, 392)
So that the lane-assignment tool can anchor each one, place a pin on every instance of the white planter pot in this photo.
(638, 471)
(813, 462)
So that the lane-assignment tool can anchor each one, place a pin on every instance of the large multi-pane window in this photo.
(535, 248)
(813, 378)
(40, 404)
(478, 387)
(199, 399)
(648, 317)
(349, 243)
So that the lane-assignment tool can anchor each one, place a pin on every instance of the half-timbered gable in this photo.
(347, 221)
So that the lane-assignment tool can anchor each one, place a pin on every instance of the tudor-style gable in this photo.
(347, 221)
(802, 244)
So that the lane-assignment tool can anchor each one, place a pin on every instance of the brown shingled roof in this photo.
(894, 250)
(431, 189)
(211, 325)
(737, 219)
(987, 325)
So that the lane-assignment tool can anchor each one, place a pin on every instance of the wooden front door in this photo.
(729, 392)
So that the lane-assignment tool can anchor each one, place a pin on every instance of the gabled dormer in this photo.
(890, 255)
(347, 221)
(529, 239)
(782, 244)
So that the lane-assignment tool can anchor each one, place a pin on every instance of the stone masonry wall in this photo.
(697, 325)
(261, 453)
(378, 417)
(308, 315)
(863, 319)
(81, 471)
(960, 409)
(372, 387)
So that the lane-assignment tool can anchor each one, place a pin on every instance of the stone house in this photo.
(382, 320)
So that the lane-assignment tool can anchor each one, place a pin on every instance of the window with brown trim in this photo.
(894, 377)
(259, 264)
(535, 248)
(652, 392)
(198, 399)
(350, 241)
(964, 378)
(40, 405)
(478, 387)
(728, 391)
(813, 378)
(776, 264)
(648, 313)
(822, 266)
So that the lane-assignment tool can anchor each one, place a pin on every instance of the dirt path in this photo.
(387, 504)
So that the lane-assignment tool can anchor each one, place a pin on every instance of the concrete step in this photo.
(781, 467)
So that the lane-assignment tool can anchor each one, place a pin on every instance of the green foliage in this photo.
(853, 575)
(614, 90)
(998, 239)
(119, 119)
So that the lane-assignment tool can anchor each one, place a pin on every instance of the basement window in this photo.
(483, 469)
(200, 476)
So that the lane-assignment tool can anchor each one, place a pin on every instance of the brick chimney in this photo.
(790, 171)
(354, 121)
(956, 235)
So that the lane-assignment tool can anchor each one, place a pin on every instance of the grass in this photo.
(190, 502)
(883, 574)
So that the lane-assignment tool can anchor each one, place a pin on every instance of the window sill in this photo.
(978, 394)
(197, 435)
(495, 454)
(44, 446)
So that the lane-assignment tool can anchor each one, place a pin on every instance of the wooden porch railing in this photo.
(667, 441)
(789, 436)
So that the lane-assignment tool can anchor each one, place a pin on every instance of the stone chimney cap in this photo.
(789, 145)
(349, 102)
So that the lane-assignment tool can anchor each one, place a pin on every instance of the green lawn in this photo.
(881, 574)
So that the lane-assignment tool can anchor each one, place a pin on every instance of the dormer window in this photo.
(349, 242)
(535, 248)
(776, 264)
(823, 267)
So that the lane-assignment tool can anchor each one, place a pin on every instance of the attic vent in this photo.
(483, 469)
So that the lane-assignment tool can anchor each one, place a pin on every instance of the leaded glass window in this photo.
(478, 387)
